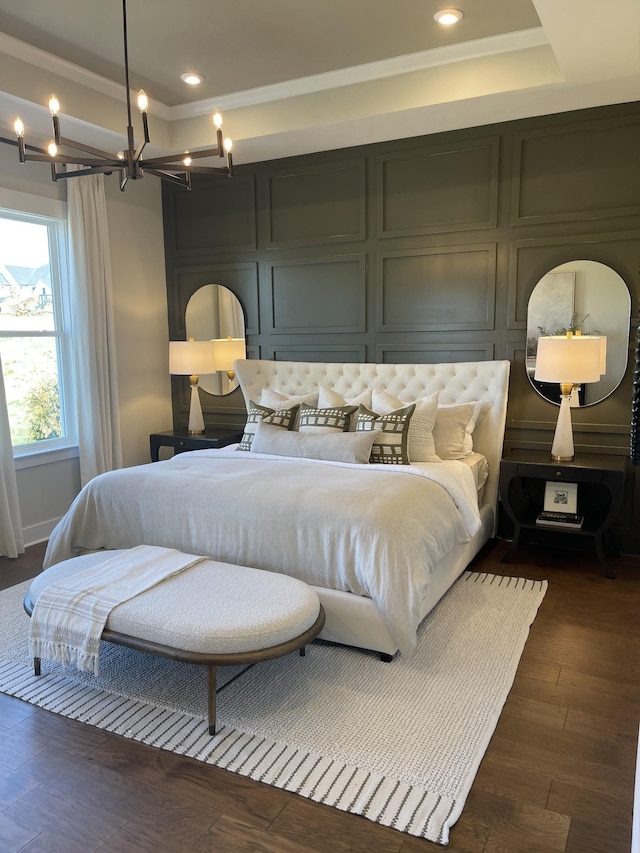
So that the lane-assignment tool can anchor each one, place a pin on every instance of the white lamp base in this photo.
(196, 421)
(562, 447)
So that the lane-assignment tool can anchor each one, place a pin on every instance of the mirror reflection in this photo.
(214, 312)
(586, 297)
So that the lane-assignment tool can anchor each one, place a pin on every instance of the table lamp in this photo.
(226, 351)
(192, 358)
(569, 360)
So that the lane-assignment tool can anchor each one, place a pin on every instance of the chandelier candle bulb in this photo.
(228, 145)
(18, 127)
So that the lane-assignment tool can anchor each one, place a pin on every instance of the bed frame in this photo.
(352, 619)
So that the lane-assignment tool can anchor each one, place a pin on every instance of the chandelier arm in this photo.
(204, 170)
(79, 146)
(179, 157)
(90, 170)
(111, 163)
(140, 149)
(174, 179)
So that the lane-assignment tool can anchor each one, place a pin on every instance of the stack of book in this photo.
(560, 519)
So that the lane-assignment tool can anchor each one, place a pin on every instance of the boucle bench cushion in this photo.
(212, 608)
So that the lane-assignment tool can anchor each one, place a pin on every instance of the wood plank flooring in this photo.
(558, 774)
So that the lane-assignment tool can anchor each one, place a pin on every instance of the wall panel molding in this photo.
(445, 352)
(350, 353)
(587, 170)
(317, 295)
(220, 216)
(439, 188)
(316, 204)
(443, 288)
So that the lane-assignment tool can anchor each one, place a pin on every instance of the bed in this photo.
(380, 543)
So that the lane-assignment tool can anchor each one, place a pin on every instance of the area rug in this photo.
(398, 743)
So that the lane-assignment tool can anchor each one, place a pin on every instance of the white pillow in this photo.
(454, 428)
(421, 441)
(328, 446)
(280, 400)
(328, 399)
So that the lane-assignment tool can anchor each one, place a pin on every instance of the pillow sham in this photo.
(352, 447)
(453, 429)
(390, 445)
(336, 419)
(283, 419)
(280, 400)
(421, 441)
(327, 398)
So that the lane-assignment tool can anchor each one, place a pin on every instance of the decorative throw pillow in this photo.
(390, 446)
(453, 429)
(334, 419)
(280, 400)
(328, 398)
(283, 419)
(421, 441)
(329, 446)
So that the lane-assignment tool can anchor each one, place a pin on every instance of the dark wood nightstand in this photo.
(182, 439)
(600, 479)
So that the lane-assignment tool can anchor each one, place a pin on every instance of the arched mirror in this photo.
(214, 313)
(586, 297)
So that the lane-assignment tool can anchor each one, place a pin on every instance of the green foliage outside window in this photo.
(42, 410)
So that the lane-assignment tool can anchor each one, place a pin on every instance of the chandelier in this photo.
(128, 163)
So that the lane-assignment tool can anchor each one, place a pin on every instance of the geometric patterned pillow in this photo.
(421, 432)
(314, 420)
(390, 446)
(283, 418)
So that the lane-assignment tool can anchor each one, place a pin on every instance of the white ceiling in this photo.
(295, 77)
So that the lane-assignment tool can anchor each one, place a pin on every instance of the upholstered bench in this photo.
(213, 614)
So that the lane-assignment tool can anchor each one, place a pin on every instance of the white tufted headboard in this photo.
(458, 382)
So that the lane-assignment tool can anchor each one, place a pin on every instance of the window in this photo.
(34, 331)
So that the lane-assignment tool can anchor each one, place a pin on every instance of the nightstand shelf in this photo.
(182, 440)
(600, 480)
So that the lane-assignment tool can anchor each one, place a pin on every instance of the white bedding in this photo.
(380, 533)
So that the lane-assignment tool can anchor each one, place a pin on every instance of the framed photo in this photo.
(561, 497)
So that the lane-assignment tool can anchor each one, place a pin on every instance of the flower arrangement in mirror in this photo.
(576, 326)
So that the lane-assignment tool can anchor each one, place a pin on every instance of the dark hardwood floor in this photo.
(558, 774)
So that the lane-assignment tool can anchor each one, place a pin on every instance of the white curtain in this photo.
(11, 538)
(93, 328)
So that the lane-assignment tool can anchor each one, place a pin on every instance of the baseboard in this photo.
(37, 533)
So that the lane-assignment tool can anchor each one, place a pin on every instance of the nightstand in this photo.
(600, 479)
(182, 439)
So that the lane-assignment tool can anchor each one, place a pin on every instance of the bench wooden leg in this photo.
(211, 698)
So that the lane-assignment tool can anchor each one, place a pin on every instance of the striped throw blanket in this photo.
(69, 616)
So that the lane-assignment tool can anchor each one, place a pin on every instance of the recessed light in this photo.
(192, 78)
(448, 16)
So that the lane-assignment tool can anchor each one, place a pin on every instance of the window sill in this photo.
(33, 458)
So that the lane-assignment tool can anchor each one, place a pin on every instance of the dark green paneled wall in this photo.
(423, 249)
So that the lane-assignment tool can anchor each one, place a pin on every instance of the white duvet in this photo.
(374, 530)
